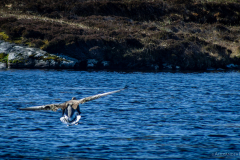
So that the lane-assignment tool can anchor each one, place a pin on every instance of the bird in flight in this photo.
(70, 109)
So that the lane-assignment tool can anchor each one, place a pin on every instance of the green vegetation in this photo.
(17, 61)
(45, 44)
(17, 40)
(52, 57)
(3, 57)
(20, 59)
(4, 36)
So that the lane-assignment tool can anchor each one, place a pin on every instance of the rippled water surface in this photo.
(161, 115)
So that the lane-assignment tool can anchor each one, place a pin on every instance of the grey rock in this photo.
(178, 67)
(25, 57)
(105, 63)
(232, 66)
(5, 47)
(167, 66)
(154, 66)
(91, 62)
(3, 65)
(41, 64)
(68, 62)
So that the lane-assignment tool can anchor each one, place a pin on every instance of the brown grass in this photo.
(194, 33)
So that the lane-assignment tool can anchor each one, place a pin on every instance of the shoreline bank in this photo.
(152, 35)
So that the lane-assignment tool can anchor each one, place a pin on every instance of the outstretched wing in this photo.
(84, 100)
(52, 107)
(62, 106)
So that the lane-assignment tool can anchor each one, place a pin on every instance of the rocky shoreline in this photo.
(19, 56)
(16, 56)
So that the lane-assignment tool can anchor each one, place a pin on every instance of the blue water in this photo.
(191, 115)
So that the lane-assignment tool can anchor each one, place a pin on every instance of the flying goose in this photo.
(70, 109)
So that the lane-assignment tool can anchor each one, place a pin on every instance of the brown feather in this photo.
(55, 107)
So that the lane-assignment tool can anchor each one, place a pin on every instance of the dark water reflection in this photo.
(162, 115)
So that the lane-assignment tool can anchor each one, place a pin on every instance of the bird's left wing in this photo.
(52, 107)
(84, 100)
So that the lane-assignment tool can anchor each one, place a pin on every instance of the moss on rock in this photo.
(3, 57)
(4, 36)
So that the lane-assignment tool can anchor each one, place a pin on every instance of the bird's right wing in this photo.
(84, 100)
(52, 107)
